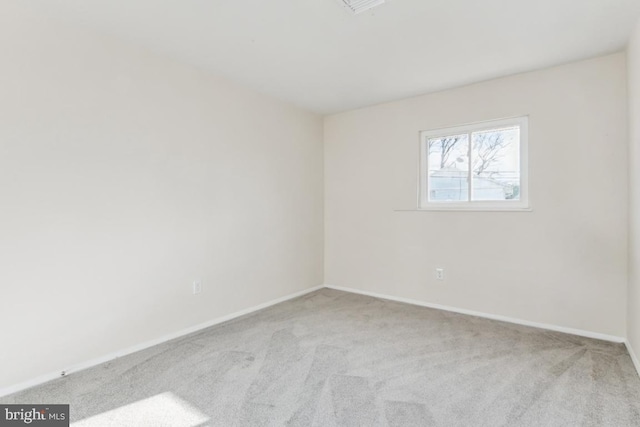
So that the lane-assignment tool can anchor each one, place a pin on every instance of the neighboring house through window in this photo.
(481, 166)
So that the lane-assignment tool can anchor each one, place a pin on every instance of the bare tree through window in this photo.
(445, 146)
(487, 161)
(489, 149)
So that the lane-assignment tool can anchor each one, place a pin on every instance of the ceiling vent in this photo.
(359, 6)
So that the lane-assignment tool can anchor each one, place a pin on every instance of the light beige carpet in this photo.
(337, 359)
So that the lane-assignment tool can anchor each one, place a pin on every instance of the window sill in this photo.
(467, 209)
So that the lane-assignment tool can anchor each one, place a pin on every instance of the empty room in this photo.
(319, 213)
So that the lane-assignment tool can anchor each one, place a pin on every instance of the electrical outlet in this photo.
(197, 287)
(439, 273)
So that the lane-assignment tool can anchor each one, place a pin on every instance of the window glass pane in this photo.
(449, 168)
(496, 164)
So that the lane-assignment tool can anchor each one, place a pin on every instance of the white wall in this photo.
(633, 308)
(125, 176)
(564, 263)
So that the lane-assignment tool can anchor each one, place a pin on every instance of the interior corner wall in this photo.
(633, 299)
(564, 263)
(124, 177)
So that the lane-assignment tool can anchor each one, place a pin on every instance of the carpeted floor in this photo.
(336, 359)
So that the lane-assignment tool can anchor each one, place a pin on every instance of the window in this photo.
(475, 167)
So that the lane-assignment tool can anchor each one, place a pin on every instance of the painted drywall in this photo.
(633, 298)
(564, 263)
(125, 176)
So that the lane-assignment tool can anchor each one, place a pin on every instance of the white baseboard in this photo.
(634, 358)
(111, 356)
(550, 327)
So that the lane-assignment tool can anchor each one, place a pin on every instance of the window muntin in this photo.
(480, 166)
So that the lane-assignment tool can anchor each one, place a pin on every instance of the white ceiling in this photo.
(317, 55)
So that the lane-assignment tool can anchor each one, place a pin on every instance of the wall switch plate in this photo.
(197, 287)
(439, 273)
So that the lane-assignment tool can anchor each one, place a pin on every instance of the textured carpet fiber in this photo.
(336, 359)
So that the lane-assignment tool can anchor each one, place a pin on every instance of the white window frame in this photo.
(481, 205)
